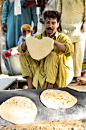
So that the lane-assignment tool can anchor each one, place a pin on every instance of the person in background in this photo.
(30, 13)
(73, 24)
(56, 69)
(15, 13)
(26, 31)
(44, 6)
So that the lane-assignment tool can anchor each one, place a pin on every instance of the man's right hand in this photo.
(4, 27)
(24, 46)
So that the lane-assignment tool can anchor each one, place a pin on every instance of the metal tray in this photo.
(78, 111)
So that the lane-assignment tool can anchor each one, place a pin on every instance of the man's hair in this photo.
(52, 14)
(24, 26)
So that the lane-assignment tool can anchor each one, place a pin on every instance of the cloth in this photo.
(28, 3)
(78, 56)
(7, 54)
(13, 52)
(51, 5)
(5, 61)
(14, 23)
(73, 15)
(56, 68)
(17, 7)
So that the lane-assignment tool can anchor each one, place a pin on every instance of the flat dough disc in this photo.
(80, 88)
(18, 110)
(39, 48)
(56, 99)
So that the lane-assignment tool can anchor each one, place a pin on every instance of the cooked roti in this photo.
(39, 48)
(80, 88)
(18, 110)
(57, 99)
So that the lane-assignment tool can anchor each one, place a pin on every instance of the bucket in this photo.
(14, 65)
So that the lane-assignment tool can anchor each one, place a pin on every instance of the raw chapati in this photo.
(39, 48)
(57, 99)
(18, 110)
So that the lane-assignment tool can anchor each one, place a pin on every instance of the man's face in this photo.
(26, 32)
(51, 26)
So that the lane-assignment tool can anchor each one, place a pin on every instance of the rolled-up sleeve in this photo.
(67, 42)
(20, 50)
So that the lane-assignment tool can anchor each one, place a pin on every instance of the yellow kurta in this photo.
(73, 15)
(56, 68)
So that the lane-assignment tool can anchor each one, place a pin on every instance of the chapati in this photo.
(18, 110)
(39, 48)
(80, 88)
(56, 99)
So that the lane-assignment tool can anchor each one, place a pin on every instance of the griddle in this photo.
(78, 111)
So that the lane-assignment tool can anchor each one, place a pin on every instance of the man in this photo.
(55, 70)
(14, 16)
(74, 25)
(26, 30)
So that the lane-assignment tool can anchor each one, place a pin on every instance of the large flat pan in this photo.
(78, 111)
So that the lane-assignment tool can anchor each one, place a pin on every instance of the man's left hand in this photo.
(34, 29)
(83, 27)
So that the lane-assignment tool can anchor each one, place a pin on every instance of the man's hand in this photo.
(60, 46)
(4, 27)
(34, 29)
(24, 46)
(83, 27)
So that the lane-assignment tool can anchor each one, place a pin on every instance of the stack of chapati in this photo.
(81, 85)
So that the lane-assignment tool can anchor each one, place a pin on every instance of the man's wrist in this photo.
(24, 47)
